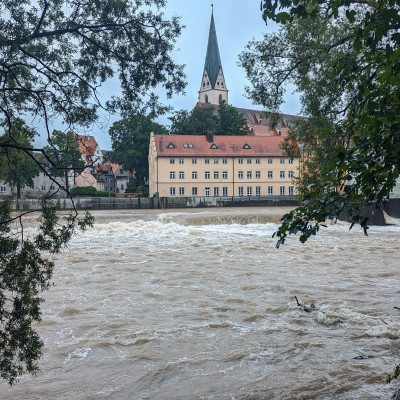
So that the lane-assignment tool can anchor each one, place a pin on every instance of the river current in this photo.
(199, 304)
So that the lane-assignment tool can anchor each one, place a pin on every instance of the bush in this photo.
(84, 190)
(91, 191)
(104, 193)
(144, 190)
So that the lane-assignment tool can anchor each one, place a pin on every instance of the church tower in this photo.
(213, 87)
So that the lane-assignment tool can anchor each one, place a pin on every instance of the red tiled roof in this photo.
(87, 146)
(104, 167)
(224, 146)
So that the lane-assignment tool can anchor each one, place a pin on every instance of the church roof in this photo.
(213, 60)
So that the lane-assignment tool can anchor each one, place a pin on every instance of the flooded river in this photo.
(199, 304)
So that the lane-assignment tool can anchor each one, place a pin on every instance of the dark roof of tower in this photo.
(213, 60)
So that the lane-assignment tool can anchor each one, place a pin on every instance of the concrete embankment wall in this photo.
(113, 203)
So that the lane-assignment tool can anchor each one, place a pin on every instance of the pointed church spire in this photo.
(213, 89)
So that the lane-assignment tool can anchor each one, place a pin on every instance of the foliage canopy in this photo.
(54, 58)
(222, 120)
(343, 56)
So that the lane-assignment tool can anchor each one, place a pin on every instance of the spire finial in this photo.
(212, 8)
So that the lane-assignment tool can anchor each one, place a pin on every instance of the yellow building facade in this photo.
(220, 166)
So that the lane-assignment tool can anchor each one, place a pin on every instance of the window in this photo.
(181, 175)
(207, 191)
(246, 146)
(194, 191)
(43, 187)
(214, 146)
(172, 191)
(269, 160)
(291, 191)
(216, 160)
(122, 186)
(181, 161)
(282, 161)
(216, 191)
(258, 174)
(258, 161)
(249, 174)
(172, 160)
(194, 160)
(224, 161)
(290, 174)
(240, 174)
(270, 175)
(249, 191)
(282, 174)
(270, 190)
(258, 190)
(224, 191)
(240, 160)
(206, 161)
(216, 175)
(181, 191)
(207, 175)
(282, 190)
(249, 161)
(3, 189)
(194, 175)
(240, 188)
(121, 171)
(171, 146)
(290, 161)
(172, 175)
(225, 175)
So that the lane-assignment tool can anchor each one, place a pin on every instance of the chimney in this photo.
(210, 136)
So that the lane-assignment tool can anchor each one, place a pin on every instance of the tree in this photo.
(344, 58)
(222, 120)
(18, 168)
(54, 58)
(130, 138)
(64, 156)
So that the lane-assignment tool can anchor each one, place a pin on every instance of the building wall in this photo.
(238, 175)
(85, 178)
(42, 184)
(213, 94)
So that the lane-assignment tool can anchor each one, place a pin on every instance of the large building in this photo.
(207, 165)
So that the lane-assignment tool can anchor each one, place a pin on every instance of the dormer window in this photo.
(208, 83)
(246, 146)
(222, 84)
(217, 83)
(214, 146)
(171, 146)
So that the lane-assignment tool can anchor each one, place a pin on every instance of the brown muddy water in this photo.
(199, 304)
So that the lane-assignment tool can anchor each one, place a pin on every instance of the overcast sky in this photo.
(236, 22)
